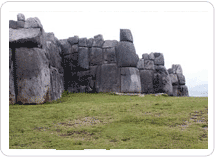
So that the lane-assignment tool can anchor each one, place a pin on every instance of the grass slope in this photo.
(80, 121)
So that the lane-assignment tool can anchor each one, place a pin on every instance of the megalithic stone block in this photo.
(57, 83)
(83, 58)
(109, 55)
(110, 43)
(130, 80)
(33, 23)
(146, 78)
(110, 78)
(148, 64)
(98, 41)
(126, 54)
(73, 40)
(126, 35)
(140, 64)
(174, 79)
(31, 37)
(145, 56)
(90, 42)
(159, 59)
(65, 47)
(12, 24)
(96, 56)
(151, 56)
(11, 80)
(20, 17)
(176, 91)
(82, 42)
(181, 79)
(20, 24)
(33, 76)
(177, 69)
(183, 90)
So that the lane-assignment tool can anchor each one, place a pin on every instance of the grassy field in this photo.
(80, 121)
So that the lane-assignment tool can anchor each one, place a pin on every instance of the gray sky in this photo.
(181, 31)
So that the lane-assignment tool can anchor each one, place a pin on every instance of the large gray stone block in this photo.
(20, 17)
(12, 24)
(170, 71)
(181, 79)
(145, 56)
(177, 69)
(180, 90)
(57, 83)
(109, 55)
(98, 41)
(73, 40)
(149, 64)
(11, 80)
(65, 47)
(174, 79)
(96, 56)
(151, 56)
(33, 23)
(83, 58)
(140, 64)
(33, 76)
(90, 42)
(159, 59)
(110, 43)
(146, 78)
(82, 42)
(126, 35)
(130, 80)
(126, 54)
(75, 48)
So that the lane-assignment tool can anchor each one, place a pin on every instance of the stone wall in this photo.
(41, 67)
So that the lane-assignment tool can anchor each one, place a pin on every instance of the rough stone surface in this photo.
(83, 58)
(126, 35)
(65, 47)
(75, 48)
(109, 55)
(181, 79)
(183, 90)
(162, 82)
(20, 17)
(96, 56)
(149, 64)
(12, 24)
(159, 59)
(145, 56)
(33, 23)
(98, 41)
(110, 43)
(151, 56)
(140, 64)
(146, 78)
(170, 71)
(11, 80)
(110, 78)
(130, 80)
(174, 79)
(177, 69)
(57, 83)
(31, 37)
(20, 24)
(126, 54)
(82, 42)
(33, 76)
(73, 40)
(90, 42)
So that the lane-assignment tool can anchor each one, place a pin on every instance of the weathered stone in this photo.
(176, 90)
(130, 80)
(65, 47)
(20, 24)
(82, 42)
(98, 41)
(145, 56)
(33, 76)
(75, 48)
(177, 69)
(162, 82)
(170, 71)
(12, 24)
(90, 42)
(159, 59)
(31, 37)
(110, 78)
(146, 78)
(110, 43)
(125, 35)
(96, 56)
(174, 79)
(70, 62)
(57, 83)
(109, 55)
(83, 58)
(11, 80)
(33, 23)
(183, 90)
(54, 56)
(92, 72)
(149, 64)
(140, 64)
(73, 40)
(126, 54)
(181, 79)
(151, 56)
(20, 17)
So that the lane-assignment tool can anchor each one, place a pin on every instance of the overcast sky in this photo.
(183, 32)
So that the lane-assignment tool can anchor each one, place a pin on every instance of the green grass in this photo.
(80, 121)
